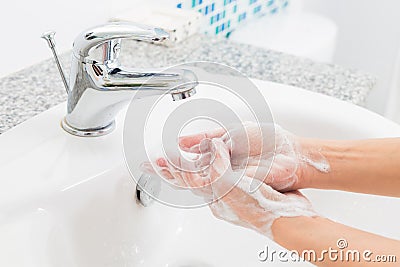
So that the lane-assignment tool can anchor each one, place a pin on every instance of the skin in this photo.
(364, 166)
(317, 233)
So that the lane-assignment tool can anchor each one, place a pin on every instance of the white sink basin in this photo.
(70, 201)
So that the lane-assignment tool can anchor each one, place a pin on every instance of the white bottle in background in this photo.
(292, 31)
(393, 101)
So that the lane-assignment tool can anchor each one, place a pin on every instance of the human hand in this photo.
(229, 191)
(266, 152)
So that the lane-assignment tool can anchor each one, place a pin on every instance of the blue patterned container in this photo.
(222, 16)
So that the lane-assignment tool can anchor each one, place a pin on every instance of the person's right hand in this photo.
(229, 191)
(266, 152)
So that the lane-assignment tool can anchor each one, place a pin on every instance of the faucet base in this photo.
(87, 132)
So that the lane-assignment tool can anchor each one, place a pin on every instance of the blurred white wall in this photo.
(22, 23)
(368, 39)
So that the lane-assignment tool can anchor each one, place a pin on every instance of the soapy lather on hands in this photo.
(266, 152)
(227, 164)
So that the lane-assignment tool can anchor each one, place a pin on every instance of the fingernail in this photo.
(161, 162)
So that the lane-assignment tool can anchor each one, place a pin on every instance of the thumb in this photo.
(191, 143)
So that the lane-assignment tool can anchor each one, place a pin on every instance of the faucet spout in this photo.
(153, 80)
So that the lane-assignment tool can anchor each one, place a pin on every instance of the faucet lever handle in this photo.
(103, 34)
(49, 37)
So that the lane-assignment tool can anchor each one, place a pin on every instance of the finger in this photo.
(261, 173)
(278, 171)
(245, 206)
(195, 180)
(281, 167)
(171, 172)
(199, 185)
(189, 178)
(204, 161)
(147, 167)
(283, 173)
(222, 177)
(295, 193)
(177, 172)
(272, 177)
(271, 194)
(185, 176)
(161, 162)
(298, 198)
(221, 164)
(191, 143)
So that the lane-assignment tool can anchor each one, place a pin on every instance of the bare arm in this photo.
(365, 166)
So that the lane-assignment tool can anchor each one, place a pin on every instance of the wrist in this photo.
(321, 158)
(306, 173)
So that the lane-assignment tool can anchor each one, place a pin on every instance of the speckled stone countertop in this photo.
(35, 89)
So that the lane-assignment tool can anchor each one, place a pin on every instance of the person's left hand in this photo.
(266, 152)
(229, 193)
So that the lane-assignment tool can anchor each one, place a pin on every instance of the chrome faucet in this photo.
(99, 87)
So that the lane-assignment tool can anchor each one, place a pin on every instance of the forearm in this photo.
(365, 166)
(321, 236)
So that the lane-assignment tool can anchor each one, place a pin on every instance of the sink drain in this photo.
(147, 188)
